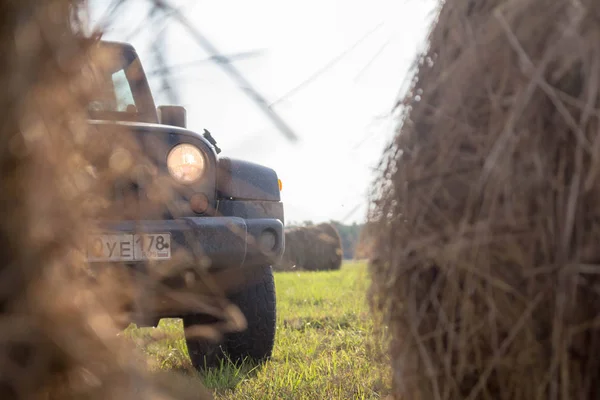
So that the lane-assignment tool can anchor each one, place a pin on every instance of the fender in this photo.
(244, 180)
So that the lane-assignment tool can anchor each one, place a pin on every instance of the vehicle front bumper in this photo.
(212, 242)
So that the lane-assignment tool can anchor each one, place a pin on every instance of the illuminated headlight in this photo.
(186, 163)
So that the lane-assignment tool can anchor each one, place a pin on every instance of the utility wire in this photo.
(229, 57)
(375, 56)
(351, 213)
(324, 69)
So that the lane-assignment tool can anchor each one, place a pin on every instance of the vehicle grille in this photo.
(127, 199)
(131, 202)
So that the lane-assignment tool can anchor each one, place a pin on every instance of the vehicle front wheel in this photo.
(258, 304)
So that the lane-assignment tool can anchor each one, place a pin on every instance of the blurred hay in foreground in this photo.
(365, 243)
(60, 320)
(487, 249)
(311, 248)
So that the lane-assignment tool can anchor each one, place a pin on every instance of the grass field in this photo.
(324, 349)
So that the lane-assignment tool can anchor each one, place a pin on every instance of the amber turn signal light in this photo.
(279, 183)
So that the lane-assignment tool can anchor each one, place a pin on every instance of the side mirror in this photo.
(172, 115)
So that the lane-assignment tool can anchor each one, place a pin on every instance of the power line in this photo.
(351, 213)
(229, 57)
(375, 56)
(325, 68)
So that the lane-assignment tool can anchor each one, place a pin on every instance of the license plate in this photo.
(129, 247)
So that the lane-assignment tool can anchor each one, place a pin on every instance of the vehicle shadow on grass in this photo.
(219, 381)
(224, 378)
(172, 354)
(228, 376)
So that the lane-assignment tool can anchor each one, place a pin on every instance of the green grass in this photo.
(325, 347)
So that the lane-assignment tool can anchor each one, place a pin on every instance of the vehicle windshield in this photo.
(122, 91)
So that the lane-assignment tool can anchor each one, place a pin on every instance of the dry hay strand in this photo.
(312, 248)
(486, 261)
(365, 243)
(60, 319)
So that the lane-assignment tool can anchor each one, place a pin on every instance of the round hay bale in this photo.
(289, 259)
(486, 261)
(329, 247)
(312, 248)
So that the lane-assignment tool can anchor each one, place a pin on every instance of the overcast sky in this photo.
(342, 118)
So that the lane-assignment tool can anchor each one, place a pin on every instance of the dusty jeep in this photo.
(228, 205)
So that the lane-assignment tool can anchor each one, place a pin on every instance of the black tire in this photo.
(204, 354)
(258, 304)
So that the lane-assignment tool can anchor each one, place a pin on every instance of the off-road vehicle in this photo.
(244, 199)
